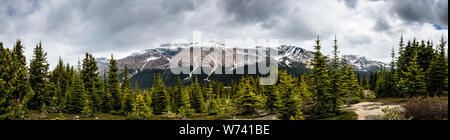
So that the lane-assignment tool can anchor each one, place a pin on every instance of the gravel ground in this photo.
(371, 110)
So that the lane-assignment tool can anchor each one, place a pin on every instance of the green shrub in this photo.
(429, 108)
(390, 114)
(371, 97)
(345, 115)
(134, 116)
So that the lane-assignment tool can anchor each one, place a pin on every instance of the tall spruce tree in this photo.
(272, 98)
(20, 68)
(290, 98)
(336, 80)
(425, 54)
(320, 84)
(380, 85)
(413, 81)
(358, 77)
(213, 108)
(39, 77)
(437, 74)
(107, 99)
(335, 73)
(87, 105)
(58, 81)
(373, 79)
(147, 97)
(77, 93)
(90, 78)
(248, 101)
(305, 93)
(140, 109)
(160, 97)
(196, 100)
(14, 93)
(126, 93)
(350, 85)
(179, 97)
(185, 108)
(114, 85)
(392, 83)
(365, 82)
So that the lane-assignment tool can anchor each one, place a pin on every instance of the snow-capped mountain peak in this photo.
(159, 58)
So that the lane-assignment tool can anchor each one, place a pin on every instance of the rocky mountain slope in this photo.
(160, 58)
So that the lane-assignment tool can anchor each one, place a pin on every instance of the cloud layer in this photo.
(68, 28)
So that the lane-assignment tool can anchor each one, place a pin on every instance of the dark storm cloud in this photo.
(118, 24)
(73, 27)
(422, 11)
(255, 11)
(176, 6)
(382, 25)
(351, 3)
(298, 29)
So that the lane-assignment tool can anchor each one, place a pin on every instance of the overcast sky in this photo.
(69, 28)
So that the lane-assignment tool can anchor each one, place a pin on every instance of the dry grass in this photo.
(426, 108)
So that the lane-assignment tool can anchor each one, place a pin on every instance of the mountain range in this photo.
(143, 65)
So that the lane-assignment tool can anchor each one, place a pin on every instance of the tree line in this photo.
(321, 93)
(421, 69)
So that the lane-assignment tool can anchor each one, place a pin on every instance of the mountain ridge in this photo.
(159, 58)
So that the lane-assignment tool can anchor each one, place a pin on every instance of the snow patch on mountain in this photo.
(160, 58)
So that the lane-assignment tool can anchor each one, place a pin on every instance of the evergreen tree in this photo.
(21, 84)
(99, 94)
(350, 83)
(425, 54)
(335, 73)
(373, 80)
(147, 97)
(39, 77)
(179, 96)
(114, 85)
(65, 101)
(196, 100)
(437, 74)
(77, 94)
(272, 98)
(320, 84)
(358, 77)
(248, 101)
(126, 93)
(392, 83)
(87, 105)
(90, 78)
(365, 82)
(336, 80)
(406, 56)
(413, 82)
(160, 98)
(185, 109)
(140, 109)
(290, 98)
(107, 98)
(14, 93)
(380, 86)
(305, 94)
(58, 83)
(211, 101)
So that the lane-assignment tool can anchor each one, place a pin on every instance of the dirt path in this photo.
(371, 110)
